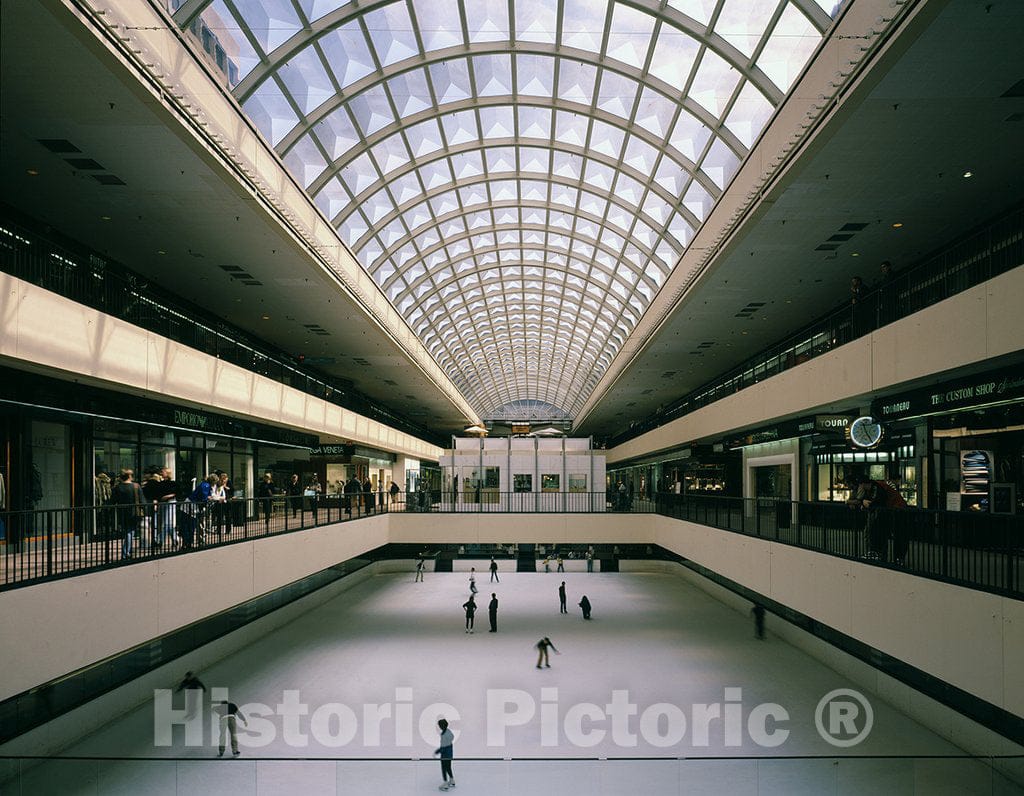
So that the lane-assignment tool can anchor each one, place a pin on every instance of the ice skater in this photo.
(494, 571)
(419, 571)
(758, 613)
(590, 560)
(445, 750)
(547, 564)
(472, 580)
(542, 652)
(230, 715)
(492, 612)
(193, 688)
(585, 605)
(561, 599)
(470, 606)
(561, 565)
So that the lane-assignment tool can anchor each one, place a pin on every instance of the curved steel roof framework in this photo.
(518, 176)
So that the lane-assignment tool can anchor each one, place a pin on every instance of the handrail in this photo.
(979, 551)
(47, 544)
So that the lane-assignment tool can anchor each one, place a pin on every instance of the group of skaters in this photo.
(560, 562)
(470, 606)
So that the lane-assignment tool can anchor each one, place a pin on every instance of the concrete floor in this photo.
(401, 645)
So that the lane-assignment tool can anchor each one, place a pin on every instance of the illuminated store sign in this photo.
(963, 393)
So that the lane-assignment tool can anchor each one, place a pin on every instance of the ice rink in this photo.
(661, 671)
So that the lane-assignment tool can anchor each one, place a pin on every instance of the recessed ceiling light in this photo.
(32, 172)
(105, 218)
(855, 254)
(161, 251)
(897, 225)
(968, 174)
(266, 317)
(742, 332)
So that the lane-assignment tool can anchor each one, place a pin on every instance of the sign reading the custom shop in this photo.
(963, 393)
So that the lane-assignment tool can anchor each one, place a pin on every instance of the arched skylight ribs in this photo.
(519, 177)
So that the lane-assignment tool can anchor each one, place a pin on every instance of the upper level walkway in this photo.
(984, 552)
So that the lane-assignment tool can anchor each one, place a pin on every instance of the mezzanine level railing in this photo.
(981, 551)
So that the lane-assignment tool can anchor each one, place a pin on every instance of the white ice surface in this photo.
(653, 636)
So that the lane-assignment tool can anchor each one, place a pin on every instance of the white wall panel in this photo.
(972, 326)
(49, 333)
(956, 634)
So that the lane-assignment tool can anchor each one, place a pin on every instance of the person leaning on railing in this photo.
(874, 498)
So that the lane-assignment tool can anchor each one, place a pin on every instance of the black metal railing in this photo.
(487, 500)
(73, 271)
(980, 256)
(981, 551)
(44, 544)
(51, 543)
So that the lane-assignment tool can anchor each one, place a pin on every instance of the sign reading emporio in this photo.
(197, 420)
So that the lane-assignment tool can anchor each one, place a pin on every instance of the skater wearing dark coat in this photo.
(492, 612)
(193, 688)
(758, 612)
(585, 605)
(470, 606)
(494, 570)
(561, 599)
(542, 651)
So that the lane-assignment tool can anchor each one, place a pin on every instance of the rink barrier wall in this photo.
(503, 529)
(92, 617)
(852, 599)
(50, 738)
(784, 624)
(898, 619)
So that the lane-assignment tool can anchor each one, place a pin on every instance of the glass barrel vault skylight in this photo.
(518, 176)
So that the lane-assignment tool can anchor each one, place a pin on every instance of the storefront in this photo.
(845, 447)
(61, 447)
(820, 457)
(697, 469)
(335, 465)
(770, 461)
(703, 470)
(971, 439)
